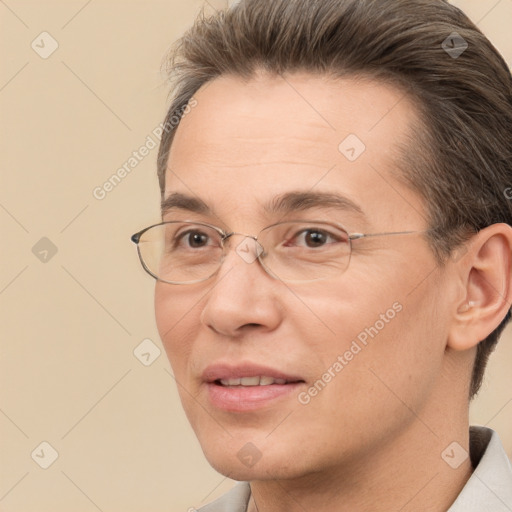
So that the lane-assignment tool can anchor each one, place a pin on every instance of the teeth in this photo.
(252, 381)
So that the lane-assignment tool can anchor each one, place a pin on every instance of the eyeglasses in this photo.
(187, 252)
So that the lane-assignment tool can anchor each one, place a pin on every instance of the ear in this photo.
(485, 272)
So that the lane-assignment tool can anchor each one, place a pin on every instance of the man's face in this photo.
(243, 145)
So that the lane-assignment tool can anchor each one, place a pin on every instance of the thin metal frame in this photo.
(135, 238)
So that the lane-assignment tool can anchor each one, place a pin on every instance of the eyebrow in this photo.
(301, 201)
(179, 201)
(286, 203)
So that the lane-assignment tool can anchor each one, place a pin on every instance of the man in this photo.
(334, 260)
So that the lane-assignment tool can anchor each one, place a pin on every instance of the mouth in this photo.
(254, 381)
(248, 387)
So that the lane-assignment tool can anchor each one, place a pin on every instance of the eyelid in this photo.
(198, 226)
(298, 228)
(321, 225)
(203, 222)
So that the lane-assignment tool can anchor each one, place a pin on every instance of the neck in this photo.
(407, 474)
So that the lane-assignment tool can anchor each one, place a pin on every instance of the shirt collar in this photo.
(490, 486)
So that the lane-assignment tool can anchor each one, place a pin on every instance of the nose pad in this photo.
(249, 249)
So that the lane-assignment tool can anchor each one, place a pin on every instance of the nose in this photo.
(243, 296)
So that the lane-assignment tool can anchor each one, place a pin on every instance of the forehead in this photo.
(247, 140)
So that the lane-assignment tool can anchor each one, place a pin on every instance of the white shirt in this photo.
(489, 489)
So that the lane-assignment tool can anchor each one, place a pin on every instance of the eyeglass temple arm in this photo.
(357, 236)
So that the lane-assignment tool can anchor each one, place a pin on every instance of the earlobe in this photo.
(462, 332)
(486, 271)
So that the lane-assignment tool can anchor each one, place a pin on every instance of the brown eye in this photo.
(193, 238)
(315, 238)
(196, 239)
(312, 238)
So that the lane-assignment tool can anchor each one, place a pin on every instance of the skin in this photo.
(372, 438)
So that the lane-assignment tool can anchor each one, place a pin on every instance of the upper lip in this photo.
(220, 371)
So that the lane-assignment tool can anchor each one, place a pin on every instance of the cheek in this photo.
(385, 334)
(404, 356)
(378, 381)
(331, 315)
(176, 315)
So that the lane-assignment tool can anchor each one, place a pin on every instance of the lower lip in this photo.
(248, 398)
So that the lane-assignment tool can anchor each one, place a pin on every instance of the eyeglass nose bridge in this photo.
(249, 249)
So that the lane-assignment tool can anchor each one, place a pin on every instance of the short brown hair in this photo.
(462, 159)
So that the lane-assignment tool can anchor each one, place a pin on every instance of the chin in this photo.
(233, 470)
(243, 461)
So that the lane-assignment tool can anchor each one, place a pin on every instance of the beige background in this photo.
(70, 325)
